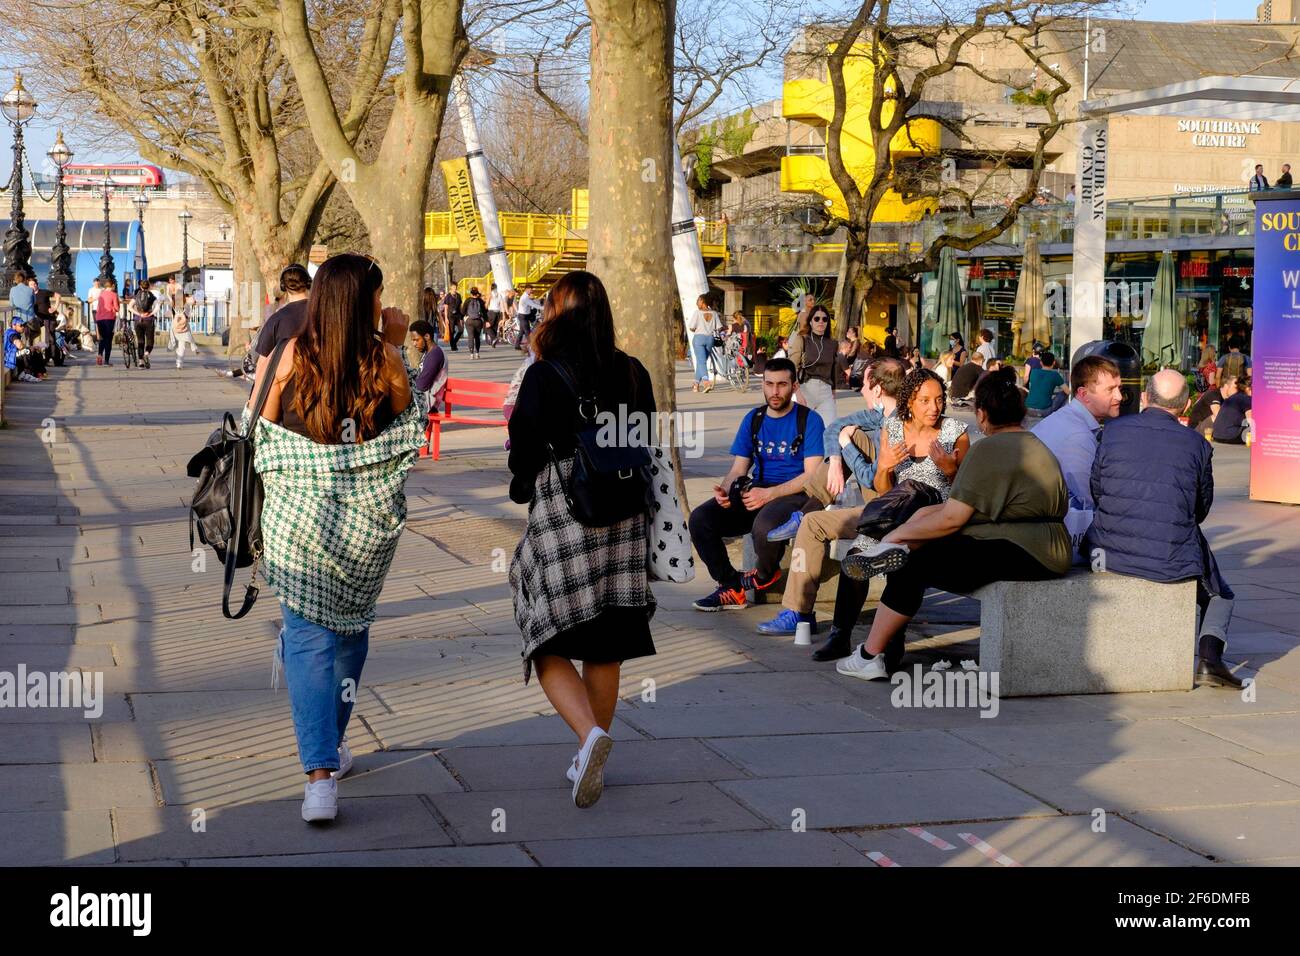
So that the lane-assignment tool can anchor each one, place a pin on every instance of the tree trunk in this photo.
(629, 245)
(852, 286)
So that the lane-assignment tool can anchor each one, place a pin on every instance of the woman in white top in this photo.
(703, 325)
(943, 367)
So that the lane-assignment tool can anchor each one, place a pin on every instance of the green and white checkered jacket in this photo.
(332, 516)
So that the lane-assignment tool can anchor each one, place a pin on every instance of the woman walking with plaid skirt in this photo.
(340, 429)
(580, 593)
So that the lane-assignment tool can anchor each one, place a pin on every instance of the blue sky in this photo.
(40, 134)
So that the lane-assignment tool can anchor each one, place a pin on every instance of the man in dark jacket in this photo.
(1153, 483)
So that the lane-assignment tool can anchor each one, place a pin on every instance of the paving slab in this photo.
(1264, 733)
(762, 848)
(730, 720)
(46, 743)
(883, 799)
(75, 786)
(56, 837)
(500, 816)
(542, 766)
(1252, 834)
(1038, 841)
(1098, 742)
(817, 754)
(275, 828)
(451, 856)
(1149, 784)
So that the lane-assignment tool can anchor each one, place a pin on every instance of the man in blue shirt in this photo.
(819, 528)
(22, 298)
(782, 442)
(1072, 433)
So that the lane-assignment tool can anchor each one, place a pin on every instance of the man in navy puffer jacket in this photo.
(1153, 481)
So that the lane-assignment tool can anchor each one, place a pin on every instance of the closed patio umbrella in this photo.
(904, 320)
(1029, 319)
(949, 310)
(1160, 337)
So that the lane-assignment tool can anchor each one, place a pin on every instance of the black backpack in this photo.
(227, 503)
(144, 300)
(756, 425)
(608, 484)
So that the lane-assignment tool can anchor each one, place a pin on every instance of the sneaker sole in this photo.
(862, 675)
(860, 567)
(723, 607)
(320, 814)
(591, 784)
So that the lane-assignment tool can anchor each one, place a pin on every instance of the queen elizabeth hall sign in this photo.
(1275, 348)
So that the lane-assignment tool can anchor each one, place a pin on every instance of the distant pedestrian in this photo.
(1284, 181)
(106, 305)
(142, 307)
(181, 330)
(1258, 182)
(451, 316)
(475, 314)
(496, 311)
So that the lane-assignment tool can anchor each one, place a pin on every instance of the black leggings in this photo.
(105, 329)
(474, 329)
(959, 564)
(144, 335)
(710, 523)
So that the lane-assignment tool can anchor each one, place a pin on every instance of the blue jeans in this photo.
(702, 346)
(318, 664)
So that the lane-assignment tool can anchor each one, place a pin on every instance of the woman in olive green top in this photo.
(1004, 521)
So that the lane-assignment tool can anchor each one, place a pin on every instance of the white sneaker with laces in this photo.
(320, 800)
(863, 668)
(571, 774)
(589, 782)
(345, 760)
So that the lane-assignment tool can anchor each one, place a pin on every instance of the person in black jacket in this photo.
(1284, 181)
(1153, 483)
(581, 593)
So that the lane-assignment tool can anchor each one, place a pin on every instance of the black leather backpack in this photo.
(227, 504)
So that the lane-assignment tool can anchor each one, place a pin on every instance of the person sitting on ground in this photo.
(964, 379)
(1071, 435)
(1046, 388)
(1234, 418)
(1153, 481)
(17, 353)
(1206, 409)
(782, 441)
(944, 365)
(1002, 521)
(854, 439)
(432, 363)
(986, 347)
(846, 355)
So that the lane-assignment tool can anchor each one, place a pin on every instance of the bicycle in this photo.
(735, 363)
(130, 353)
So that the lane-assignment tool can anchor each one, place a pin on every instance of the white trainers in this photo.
(345, 760)
(589, 773)
(571, 774)
(863, 668)
(320, 800)
(876, 559)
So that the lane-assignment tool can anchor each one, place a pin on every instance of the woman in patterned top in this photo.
(921, 442)
(339, 431)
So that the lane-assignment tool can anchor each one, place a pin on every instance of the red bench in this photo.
(465, 392)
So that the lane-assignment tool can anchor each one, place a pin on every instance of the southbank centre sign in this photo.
(1275, 350)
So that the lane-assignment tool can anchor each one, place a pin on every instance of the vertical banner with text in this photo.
(464, 215)
(1087, 301)
(1275, 350)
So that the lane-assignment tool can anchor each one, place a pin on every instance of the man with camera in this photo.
(783, 443)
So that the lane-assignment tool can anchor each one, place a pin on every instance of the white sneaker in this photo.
(320, 800)
(179, 365)
(345, 760)
(571, 774)
(877, 559)
(864, 668)
(589, 782)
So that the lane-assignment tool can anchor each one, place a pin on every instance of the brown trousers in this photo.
(815, 486)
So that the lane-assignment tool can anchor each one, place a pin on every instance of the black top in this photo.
(964, 380)
(290, 419)
(43, 306)
(1231, 421)
(288, 322)
(1201, 411)
(890, 349)
(546, 411)
(1283, 181)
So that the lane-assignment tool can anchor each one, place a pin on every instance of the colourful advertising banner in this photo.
(1275, 350)
(460, 194)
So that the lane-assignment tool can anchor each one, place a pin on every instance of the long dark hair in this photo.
(338, 362)
(577, 330)
(912, 383)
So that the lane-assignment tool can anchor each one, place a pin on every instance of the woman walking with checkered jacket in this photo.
(580, 593)
(340, 429)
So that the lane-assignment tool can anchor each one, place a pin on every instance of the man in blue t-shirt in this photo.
(783, 443)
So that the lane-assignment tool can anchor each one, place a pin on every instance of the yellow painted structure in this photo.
(543, 247)
(811, 101)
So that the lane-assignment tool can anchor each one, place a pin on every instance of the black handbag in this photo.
(885, 513)
(609, 483)
(227, 504)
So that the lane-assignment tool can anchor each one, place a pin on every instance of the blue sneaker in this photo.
(723, 599)
(788, 530)
(784, 623)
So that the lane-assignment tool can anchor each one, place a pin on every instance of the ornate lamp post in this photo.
(141, 204)
(60, 255)
(185, 216)
(18, 107)
(106, 260)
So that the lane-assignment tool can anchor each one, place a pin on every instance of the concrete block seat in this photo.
(1088, 633)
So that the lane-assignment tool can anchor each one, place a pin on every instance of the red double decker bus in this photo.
(125, 175)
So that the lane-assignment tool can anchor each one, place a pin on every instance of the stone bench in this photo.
(1087, 633)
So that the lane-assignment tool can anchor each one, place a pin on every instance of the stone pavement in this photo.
(727, 740)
